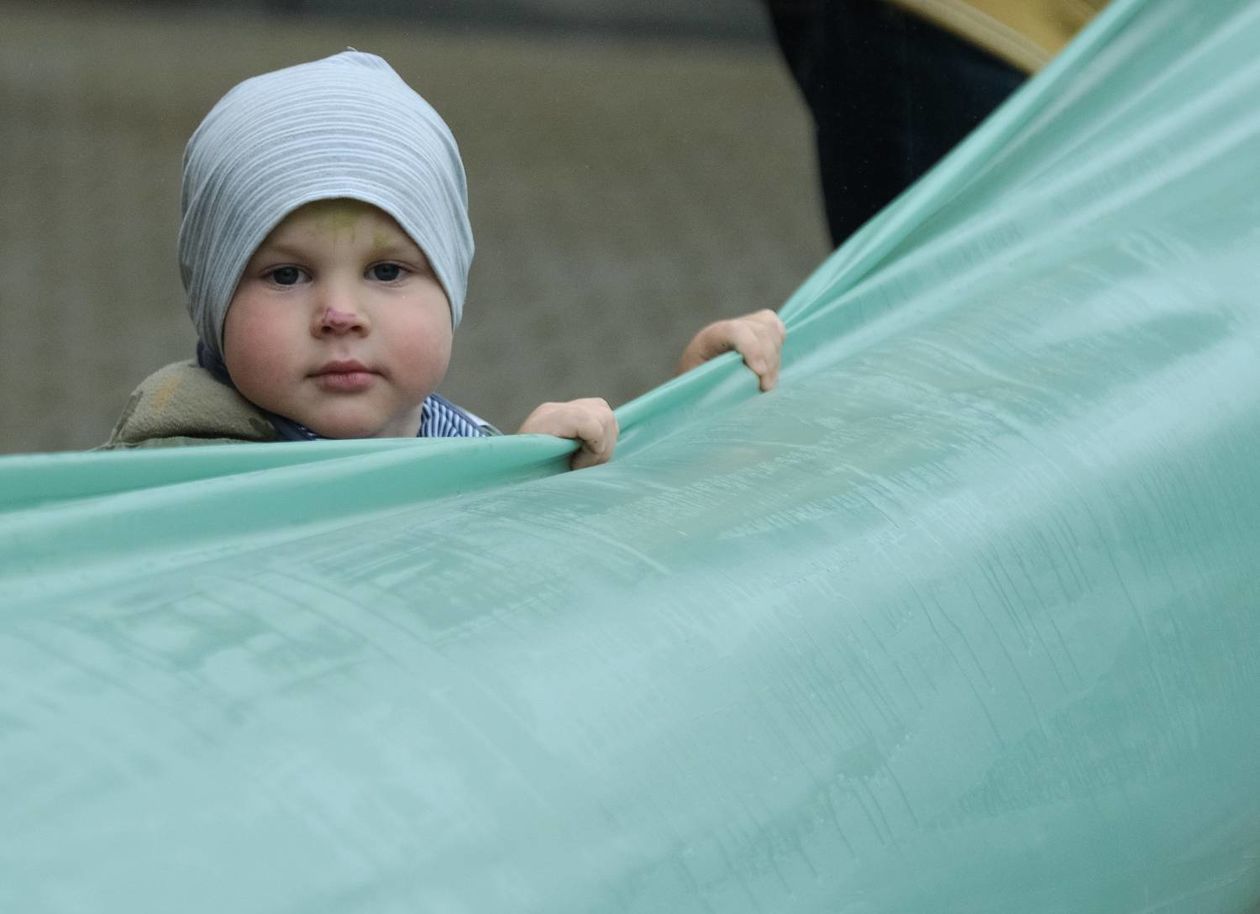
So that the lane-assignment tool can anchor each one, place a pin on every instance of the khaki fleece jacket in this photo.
(183, 404)
(1024, 33)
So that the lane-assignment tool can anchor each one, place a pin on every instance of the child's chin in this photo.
(337, 435)
(344, 429)
(357, 427)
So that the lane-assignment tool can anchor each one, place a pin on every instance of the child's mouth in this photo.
(344, 377)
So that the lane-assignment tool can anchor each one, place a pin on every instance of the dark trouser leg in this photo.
(889, 95)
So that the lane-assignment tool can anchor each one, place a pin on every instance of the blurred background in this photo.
(636, 169)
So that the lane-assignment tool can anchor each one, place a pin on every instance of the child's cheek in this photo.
(260, 339)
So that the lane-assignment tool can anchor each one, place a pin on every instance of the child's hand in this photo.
(758, 337)
(590, 421)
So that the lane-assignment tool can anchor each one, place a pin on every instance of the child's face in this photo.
(339, 323)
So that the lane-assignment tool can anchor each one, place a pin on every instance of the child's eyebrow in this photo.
(399, 249)
(391, 246)
(271, 250)
(391, 249)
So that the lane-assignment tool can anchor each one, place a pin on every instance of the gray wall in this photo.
(624, 190)
(723, 21)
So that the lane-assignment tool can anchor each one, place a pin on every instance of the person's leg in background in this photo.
(889, 94)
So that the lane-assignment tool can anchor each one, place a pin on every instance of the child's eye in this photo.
(285, 276)
(385, 272)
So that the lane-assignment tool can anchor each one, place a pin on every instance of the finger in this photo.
(597, 428)
(767, 358)
(759, 345)
(769, 379)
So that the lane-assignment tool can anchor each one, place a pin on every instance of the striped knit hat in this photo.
(344, 126)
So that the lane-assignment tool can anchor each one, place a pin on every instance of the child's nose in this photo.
(335, 320)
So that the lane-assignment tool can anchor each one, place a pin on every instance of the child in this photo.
(324, 249)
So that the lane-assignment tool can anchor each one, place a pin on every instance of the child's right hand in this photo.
(590, 421)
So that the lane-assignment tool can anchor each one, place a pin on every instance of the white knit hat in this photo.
(345, 126)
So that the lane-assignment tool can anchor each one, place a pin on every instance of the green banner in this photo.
(963, 617)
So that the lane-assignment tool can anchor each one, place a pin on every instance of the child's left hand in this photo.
(590, 421)
(758, 337)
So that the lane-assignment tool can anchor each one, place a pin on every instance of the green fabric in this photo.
(961, 618)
